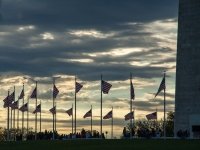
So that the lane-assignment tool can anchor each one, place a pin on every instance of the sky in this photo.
(43, 40)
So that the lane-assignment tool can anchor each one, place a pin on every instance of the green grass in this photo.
(117, 144)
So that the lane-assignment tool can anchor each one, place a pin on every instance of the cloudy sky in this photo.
(41, 40)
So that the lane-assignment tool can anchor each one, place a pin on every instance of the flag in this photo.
(53, 110)
(11, 97)
(88, 114)
(38, 109)
(6, 104)
(129, 115)
(5, 99)
(8, 100)
(14, 105)
(106, 87)
(109, 115)
(151, 116)
(22, 94)
(162, 87)
(132, 92)
(69, 112)
(34, 94)
(78, 87)
(24, 108)
(55, 91)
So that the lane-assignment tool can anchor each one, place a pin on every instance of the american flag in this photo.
(53, 110)
(55, 91)
(162, 87)
(109, 115)
(69, 112)
(132, 92)
(129, 116)
(38, 109)
(6, 104)
(14, 105)
(5, 99)
(88, 114)
(34, 94)
(8, 100)
(22, 94)
(152, 116)
(24, 108)
(106, 87)
(11, 97)
(78, 87)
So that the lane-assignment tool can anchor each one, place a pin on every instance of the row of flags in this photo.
(105, 89)
(70, 111)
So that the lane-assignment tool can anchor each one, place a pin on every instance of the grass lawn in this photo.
(115, 144)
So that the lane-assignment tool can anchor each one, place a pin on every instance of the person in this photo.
(124, 131)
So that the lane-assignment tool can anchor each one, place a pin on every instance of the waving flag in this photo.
(151, 116)
(38, 109)
(53, 110)
(132, 92)
(129, 116)
(69, 112)
(14, 105)
(8, 100)
(24, 108)
(6, 103)
(78, 87)
(22, 94)
(33, 95)
(88, 114)
(106, 87)
(55, 91)
(162, 87)
(109, 115)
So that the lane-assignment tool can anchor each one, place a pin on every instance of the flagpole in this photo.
(75, 110)
(53, 107)
(91, 119)
(23, 118)
(101, 108)
(27, 114)
(36, 113)
(72, 118)
(130, 107)
(14, 117)
(40, 114)
(156, 114)
(55, 117)
(112, 125)
(11, 123)
(8, 118)
(156, 118)
(164, 112)
(18, 113)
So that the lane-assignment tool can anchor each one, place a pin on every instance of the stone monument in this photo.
(187, 93)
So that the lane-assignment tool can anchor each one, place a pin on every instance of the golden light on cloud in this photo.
(25, 28)
(75, 60)
(47, 35)
(91, 33)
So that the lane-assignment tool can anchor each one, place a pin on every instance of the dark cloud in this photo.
(42, 39)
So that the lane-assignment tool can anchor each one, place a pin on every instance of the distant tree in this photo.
(170, 124)
(154, 125)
